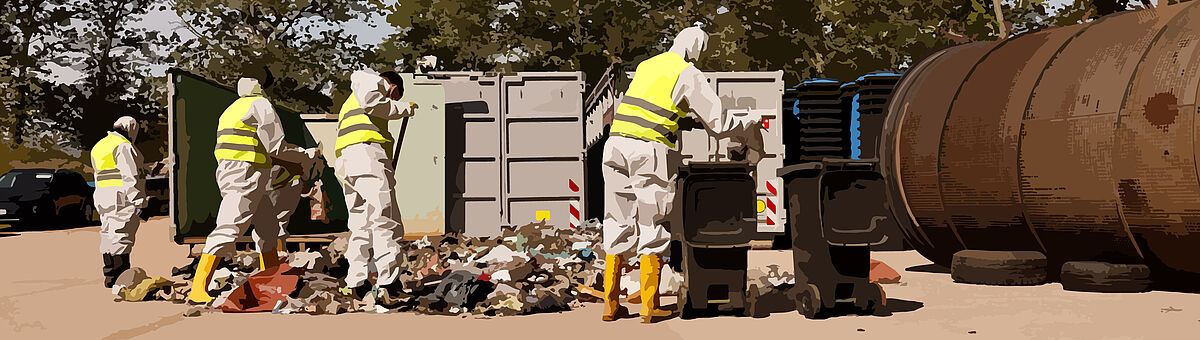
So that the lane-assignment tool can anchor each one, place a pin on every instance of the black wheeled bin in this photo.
(837, 208)
(719, 218)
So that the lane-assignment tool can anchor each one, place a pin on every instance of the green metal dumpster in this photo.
(195, 104)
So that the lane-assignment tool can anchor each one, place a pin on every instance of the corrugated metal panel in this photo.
(473, 151)
(543, 147)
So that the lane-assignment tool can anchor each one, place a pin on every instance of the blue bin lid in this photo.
(879, 74)
(816, 81)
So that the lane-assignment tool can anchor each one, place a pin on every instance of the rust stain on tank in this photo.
(1161, 110)
(1132, 196)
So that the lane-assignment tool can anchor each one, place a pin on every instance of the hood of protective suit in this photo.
(128, 125)
(249, 87)
(690, 42)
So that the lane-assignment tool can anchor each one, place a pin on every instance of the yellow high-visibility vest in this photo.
(235, 139)
(105, 163)
(646, 111)
(356, 126)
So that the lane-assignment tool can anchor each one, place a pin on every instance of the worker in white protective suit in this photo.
(120, 194)
(638, 179)
(364, 167)
(249, 140)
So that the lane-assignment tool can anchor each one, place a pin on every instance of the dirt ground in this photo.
(50, 288)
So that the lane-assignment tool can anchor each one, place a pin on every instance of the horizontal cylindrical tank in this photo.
(1075, 141)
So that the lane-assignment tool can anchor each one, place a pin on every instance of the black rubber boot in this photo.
(114, 265)
(120, 265)
(109, 273)
(392, 295)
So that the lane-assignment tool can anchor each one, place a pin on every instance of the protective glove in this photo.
(408, 110)
(687, 123)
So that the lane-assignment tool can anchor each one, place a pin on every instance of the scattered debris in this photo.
(770, 291)
(193, 312)
(881, 273)
(533, 268)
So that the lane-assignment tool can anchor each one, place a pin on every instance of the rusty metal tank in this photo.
(1076, 141)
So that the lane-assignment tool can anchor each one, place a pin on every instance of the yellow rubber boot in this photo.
(268, 260)
(204, 272)
(651, 274)
(612, 289)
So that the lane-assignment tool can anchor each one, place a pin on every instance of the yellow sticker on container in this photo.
(762, 206)
(542, 215)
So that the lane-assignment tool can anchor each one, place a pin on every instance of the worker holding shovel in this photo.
(365, 167)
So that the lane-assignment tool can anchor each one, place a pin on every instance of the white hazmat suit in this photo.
(244, 186)
(118, 205)
(638, 179)
(368, 180)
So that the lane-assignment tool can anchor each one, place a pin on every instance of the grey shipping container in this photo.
(761, 92)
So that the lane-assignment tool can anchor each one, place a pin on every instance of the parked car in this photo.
(156, 195)
(37, 196)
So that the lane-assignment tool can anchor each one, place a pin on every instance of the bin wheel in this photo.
(808, 303)
(870, 300)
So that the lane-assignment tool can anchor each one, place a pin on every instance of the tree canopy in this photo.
(69, 67)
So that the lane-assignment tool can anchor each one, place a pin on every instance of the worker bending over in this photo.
(249, 140)
(638, 180)
(120, 193)
(287, 187)
(364, 167)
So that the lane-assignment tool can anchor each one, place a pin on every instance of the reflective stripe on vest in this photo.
(647, 111)
(355, 126)
(235, 139)
(105, 163)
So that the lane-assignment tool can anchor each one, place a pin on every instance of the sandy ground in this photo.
(50, 288)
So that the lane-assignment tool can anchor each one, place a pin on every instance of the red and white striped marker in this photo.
(771, 202)
(574, 214)
(574, 204)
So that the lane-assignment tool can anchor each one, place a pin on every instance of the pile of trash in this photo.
(135, 285)
(529, 269)
(533, 268)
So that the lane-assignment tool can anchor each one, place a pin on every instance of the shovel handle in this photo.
(399, 142)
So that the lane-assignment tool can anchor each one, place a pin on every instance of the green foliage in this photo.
(304, 44)
(95, 38)
(838, 38)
